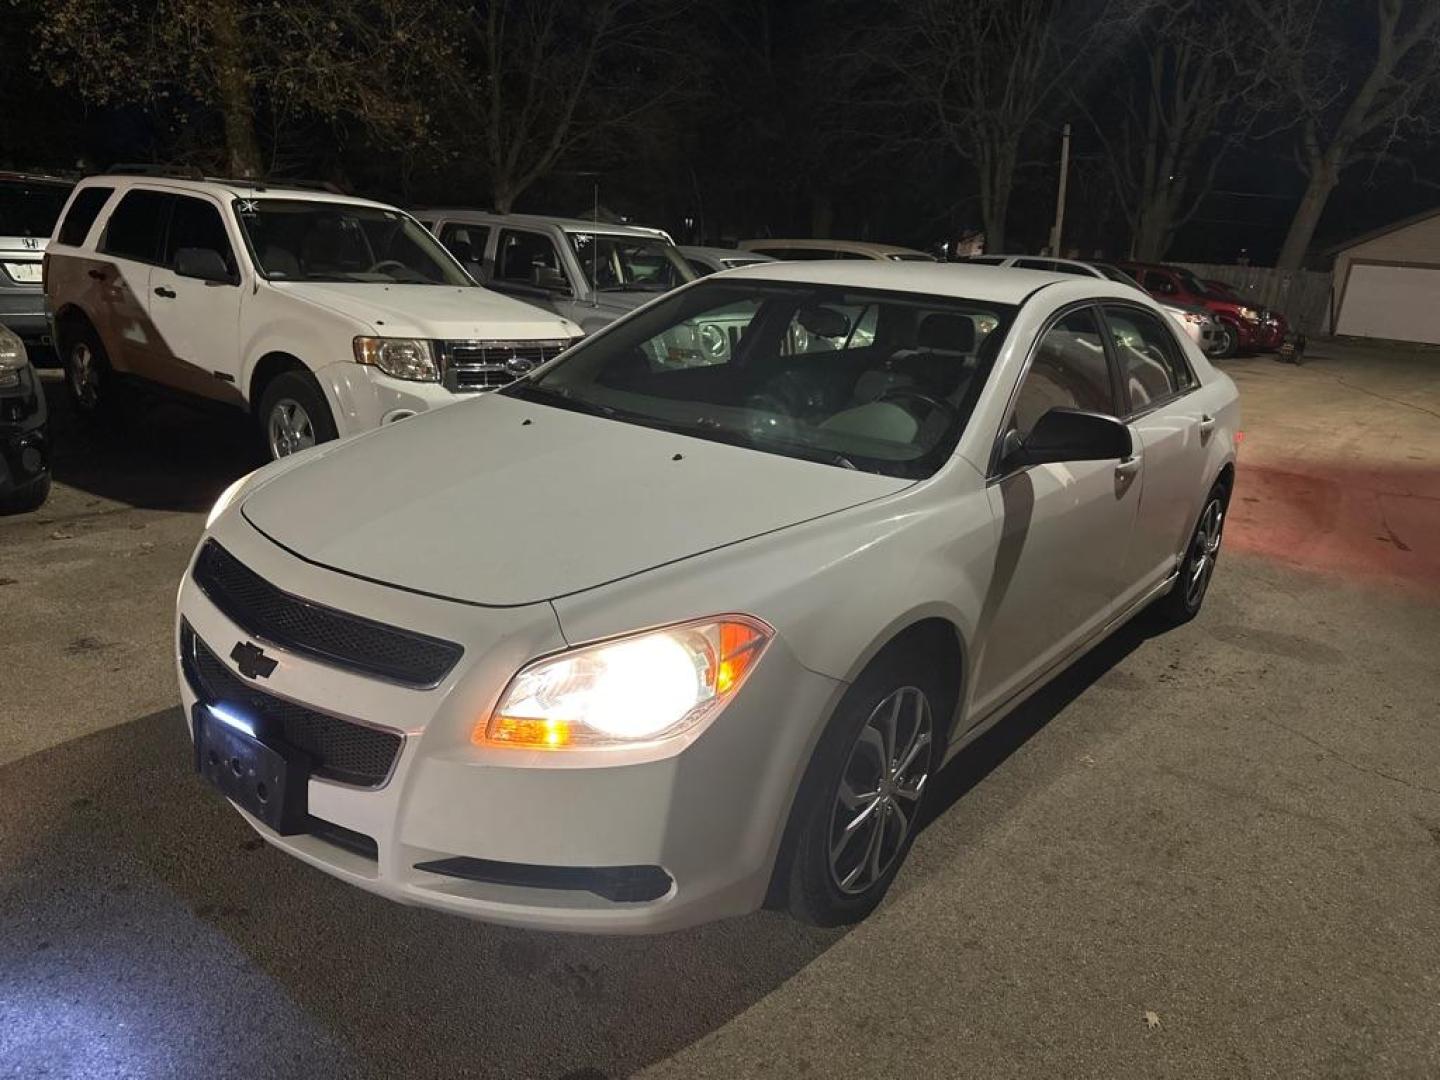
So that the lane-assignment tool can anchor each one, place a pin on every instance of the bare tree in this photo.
(1356, 78)
(1193, 95)
(527, 81)
(234, 58)
(988, 71)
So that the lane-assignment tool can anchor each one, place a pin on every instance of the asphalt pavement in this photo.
(1210, 853)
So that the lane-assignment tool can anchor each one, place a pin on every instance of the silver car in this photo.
(29, 207)
(590, 273)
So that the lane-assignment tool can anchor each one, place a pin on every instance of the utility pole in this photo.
(1060, 195)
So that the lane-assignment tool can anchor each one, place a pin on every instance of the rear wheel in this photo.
(861, 801)
(89, 378)
(1182, 602)
(294, 415)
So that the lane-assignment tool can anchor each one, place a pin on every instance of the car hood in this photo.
(502, 502)
(433, 311)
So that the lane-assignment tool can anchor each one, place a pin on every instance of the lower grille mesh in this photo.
(341, 750)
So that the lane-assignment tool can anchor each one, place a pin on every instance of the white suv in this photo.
(323, 315)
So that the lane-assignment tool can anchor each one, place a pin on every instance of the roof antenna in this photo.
(595, 251)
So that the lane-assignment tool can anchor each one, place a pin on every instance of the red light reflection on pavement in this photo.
(1348, 520)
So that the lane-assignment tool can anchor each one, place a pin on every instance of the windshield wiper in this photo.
(544, 395)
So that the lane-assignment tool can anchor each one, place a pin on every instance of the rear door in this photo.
(198, 320)
(1065, 529)
(129, 249)
(1170, 430)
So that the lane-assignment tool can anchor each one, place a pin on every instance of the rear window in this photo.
(82, 214)
(136, 226)
(30, 207)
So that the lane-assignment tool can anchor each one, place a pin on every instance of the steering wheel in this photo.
(898, 394)
(387, 265)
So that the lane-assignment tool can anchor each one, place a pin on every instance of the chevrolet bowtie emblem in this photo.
(252, 661)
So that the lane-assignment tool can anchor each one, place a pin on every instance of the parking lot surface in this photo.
(1214, 852)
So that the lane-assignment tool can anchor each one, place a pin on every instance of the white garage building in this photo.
(1387, 282)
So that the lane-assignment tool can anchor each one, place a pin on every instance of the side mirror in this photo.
(203, 263)
(549, 278)
(1068, 435)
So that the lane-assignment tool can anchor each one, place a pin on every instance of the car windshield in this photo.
(615, 263)
(1190, 282)
(309, 240)
(30, 207)
(854, 378)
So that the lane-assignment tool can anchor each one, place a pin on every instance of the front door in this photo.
(1170, 429)
(1065, 529)
(197, 320)
(528, 267)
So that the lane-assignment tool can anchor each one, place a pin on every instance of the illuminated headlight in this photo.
(13, 357)
(643, 688)
(403, 358)
(1249, 314)
(226, 498)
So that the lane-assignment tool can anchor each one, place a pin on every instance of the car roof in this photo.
(724, 253)
(568, 224)
(996, 284)
(36, 178)
(865, 246)
(238, 189)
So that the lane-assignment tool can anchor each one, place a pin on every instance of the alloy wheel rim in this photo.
(290, 428)
(878, 799)
(1203, 552)
(82, 374)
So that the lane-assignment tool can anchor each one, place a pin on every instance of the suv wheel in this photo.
(294, 415)
(87, 374)
(1229, 341)
(863, 794)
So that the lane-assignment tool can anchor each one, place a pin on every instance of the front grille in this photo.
(485, 365)
(340, 750)
(333, 637)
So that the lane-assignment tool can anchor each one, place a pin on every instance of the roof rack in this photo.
(259, 183)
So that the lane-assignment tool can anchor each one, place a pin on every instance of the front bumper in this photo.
(709, 815)
(23, 311)
(362, 398)
(24, 435)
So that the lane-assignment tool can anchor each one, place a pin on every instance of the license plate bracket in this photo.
(263, 776)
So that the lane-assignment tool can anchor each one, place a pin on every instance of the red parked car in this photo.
(1273, 326)
(1176, 285)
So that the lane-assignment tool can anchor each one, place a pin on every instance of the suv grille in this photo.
(340, 750)
(333, 637)
(485, 365)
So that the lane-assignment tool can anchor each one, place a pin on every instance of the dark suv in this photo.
(29, 206)
(1240, 324)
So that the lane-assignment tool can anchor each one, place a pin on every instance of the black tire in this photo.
(297, 394)
(89, 379)
(1230, 341)
(30, 497)
(816, 892)
(1183, 602)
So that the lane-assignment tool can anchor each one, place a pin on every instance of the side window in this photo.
(1152, 365)
(1160, 283)
(1069, 371)
(196, 225)
(523, 256)
(136, 226)
(466, 243)
(82, 214)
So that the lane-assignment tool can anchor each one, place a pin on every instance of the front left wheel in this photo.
(294, 415)
(863, 793)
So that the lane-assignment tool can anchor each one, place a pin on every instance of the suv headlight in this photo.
(642, 688)
(404, 358)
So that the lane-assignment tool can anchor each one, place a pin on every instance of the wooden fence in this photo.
(1302, 295)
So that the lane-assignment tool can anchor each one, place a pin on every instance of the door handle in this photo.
(1128, 467)
(98, 275)
(1207, 425)
(161, 290)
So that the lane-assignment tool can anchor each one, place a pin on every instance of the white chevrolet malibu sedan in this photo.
(686, 621)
